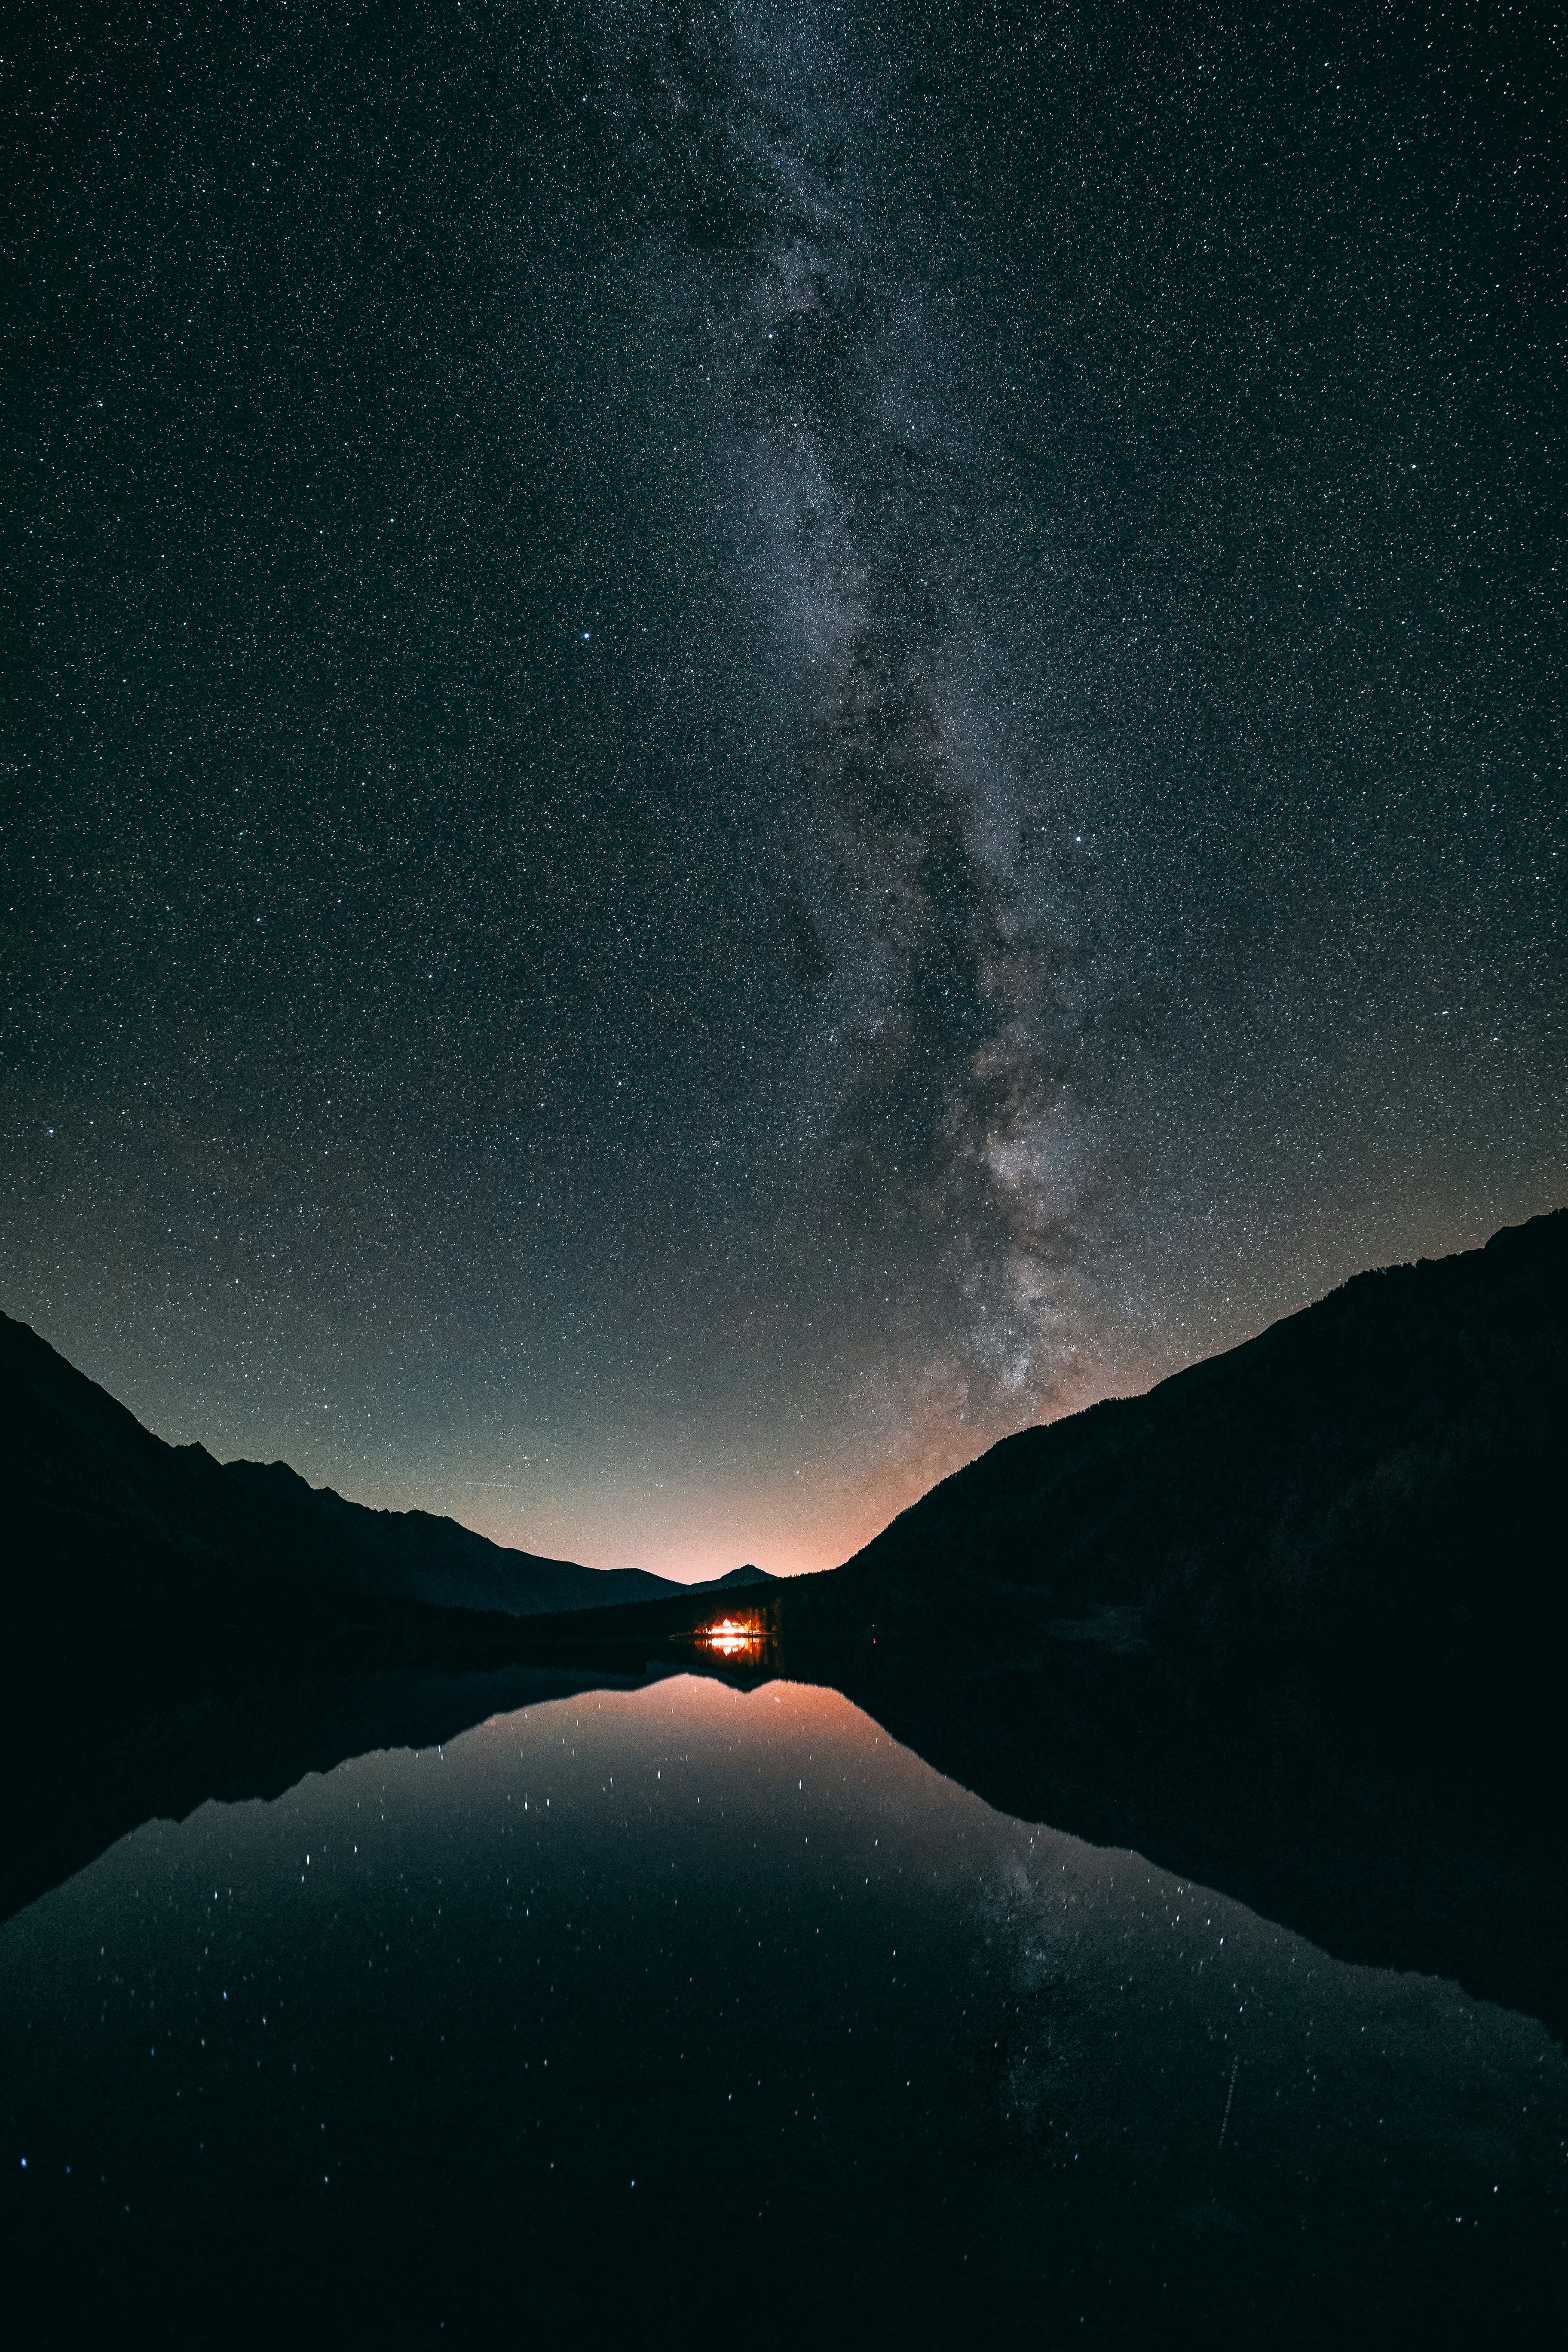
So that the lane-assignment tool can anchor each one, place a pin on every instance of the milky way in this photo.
(954, 1138)
(754, 741)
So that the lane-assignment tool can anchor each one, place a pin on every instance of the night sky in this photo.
(745, 744)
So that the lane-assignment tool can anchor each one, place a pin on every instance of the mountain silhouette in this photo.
(112, 1531)
(1375, 1483)
(420, 1557)
(1290, 1625)
(1369, 1495)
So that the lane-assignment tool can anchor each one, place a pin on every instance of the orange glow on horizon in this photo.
(691, 1534)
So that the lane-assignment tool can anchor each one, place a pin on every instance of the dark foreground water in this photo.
(679, 2015)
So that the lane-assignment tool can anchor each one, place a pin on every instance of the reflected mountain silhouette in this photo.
(89, 1763)
(1290, 1627)
(1369, 1862)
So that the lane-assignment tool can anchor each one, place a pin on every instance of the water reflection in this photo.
(732, 1637)
(535, 2005)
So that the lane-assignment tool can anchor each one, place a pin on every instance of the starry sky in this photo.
(746, 742)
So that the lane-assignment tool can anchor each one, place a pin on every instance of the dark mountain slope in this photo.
(1376, 1484)
(111, 1530)
(424, 1558)
(1291, 1625)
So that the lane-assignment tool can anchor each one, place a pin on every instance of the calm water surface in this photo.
(689, 2012)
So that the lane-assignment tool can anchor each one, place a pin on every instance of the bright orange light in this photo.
(731, 1634)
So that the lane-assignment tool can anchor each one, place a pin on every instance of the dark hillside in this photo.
(424, 1558)
(1376, 1484)
(1290, 1625)
(111, 1531)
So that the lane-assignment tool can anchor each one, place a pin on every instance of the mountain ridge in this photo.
(127, 1524)
(1290, 1625)
(1355, 1460)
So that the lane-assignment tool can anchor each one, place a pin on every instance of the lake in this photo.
(685, 2010)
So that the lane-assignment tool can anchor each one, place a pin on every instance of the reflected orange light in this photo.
(731, 1634)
